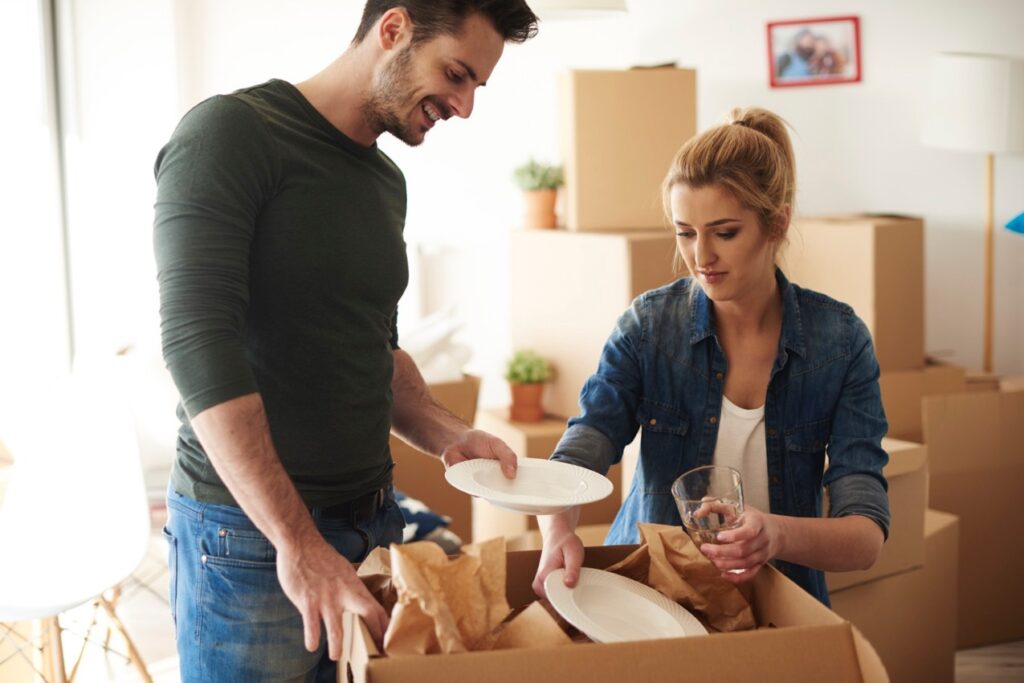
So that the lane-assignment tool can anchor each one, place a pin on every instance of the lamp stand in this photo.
(989, 261)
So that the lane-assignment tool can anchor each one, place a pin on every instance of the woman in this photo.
(736, 366)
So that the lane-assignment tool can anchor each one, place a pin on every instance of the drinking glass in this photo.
(710, 499)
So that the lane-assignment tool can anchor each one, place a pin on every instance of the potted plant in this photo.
(526, 373)
(539, 183)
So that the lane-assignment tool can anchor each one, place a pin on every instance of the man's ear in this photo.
(394, 28)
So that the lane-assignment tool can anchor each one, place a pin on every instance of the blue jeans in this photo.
(232, 620)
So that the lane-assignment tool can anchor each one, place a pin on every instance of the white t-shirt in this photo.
(741, 445)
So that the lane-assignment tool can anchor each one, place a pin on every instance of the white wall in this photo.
(857, 145)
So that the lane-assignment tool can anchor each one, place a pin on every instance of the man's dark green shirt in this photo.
(281, 261)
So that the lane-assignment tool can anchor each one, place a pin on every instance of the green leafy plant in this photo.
(526, 367)
(534, 175)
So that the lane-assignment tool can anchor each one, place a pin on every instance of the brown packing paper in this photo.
(534, 626)
(375, 573)
(669, 562)
(446, 605)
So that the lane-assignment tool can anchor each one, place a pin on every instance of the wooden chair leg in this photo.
(55, 650)
(133, 652)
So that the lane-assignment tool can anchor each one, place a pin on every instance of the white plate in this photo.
(541, 487)
(609, 608)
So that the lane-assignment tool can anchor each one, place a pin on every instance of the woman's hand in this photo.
(562, 548)
(741, 552)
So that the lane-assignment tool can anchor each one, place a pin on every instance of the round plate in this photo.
(541, 487)
(609, 608)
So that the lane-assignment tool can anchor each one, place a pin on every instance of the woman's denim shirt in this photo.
(662, 371)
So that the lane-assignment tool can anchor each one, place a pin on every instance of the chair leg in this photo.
(55, 650)
(133, 652)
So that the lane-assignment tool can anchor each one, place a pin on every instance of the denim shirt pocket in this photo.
(805, 463)
(663, 429)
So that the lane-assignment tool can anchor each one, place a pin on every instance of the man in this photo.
(796, 62)
(278, 237)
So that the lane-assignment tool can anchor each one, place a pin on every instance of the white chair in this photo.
(74, 522)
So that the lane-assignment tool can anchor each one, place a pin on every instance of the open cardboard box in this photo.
(798, 639)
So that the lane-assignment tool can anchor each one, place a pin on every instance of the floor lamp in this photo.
(976, 104)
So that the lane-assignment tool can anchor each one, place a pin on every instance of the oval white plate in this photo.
(609, 608)
(541, 487)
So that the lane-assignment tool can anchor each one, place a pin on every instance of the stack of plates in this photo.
(541, 487)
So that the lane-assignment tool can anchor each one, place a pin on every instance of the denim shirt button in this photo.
(775, 479)
(652, 422)
(713, 419)
(772, 431)
(718, 376)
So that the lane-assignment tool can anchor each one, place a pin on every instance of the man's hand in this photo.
(474, 443)
(323, 585)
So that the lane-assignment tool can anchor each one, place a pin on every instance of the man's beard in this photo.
(391, 95)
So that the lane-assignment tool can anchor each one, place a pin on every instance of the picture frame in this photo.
(820, 51)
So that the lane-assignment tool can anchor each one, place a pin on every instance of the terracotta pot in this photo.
(539, 208)
(526, 402)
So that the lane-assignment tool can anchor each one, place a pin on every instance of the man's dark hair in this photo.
(513, 19)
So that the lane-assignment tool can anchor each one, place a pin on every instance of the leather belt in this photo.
(358, 509)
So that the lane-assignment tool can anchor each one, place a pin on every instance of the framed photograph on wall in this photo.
(814, 51)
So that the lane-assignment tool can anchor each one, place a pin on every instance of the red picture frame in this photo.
(821, 51)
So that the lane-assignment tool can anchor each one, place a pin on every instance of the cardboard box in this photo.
(910, 618)
(903, 391)
(422, 476)
(979, 380)
(907, 473)
(800, 641)
(874, 263)
(619, 131)
(533, 440)
(568, 289)
(976, 459)
(1012, 383)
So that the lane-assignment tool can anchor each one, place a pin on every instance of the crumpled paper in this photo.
(440, 604)
(534, 626)
(446, 605)
(668, 561)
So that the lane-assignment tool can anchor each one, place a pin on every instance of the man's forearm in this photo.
(416, 417)
(236, 437)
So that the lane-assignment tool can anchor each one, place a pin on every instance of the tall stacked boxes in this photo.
(976, 453)
(619, 131)
(911, 617)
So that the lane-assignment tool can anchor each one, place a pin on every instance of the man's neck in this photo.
(339, 91)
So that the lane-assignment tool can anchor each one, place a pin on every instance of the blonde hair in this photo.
(750, 156)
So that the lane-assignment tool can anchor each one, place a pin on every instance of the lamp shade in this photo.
(975, 103)
(577, 9)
